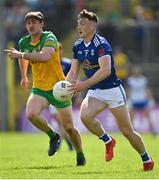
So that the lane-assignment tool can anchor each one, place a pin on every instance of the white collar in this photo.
(87, 44)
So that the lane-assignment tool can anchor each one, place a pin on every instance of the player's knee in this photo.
(31, 115)
(85, 117)
(69, 129)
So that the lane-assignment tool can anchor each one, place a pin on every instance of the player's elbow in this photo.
(107, 72)
(46, 57)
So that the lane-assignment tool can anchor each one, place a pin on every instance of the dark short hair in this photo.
(34, 15)
(89, 15)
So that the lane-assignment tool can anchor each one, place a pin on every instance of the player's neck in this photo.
(88, 38)
(35, 38)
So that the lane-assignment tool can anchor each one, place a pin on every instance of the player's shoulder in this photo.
(100, 40)
(24, 40)
(49, 35)
(78, 42)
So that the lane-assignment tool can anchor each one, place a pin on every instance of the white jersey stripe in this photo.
(96, 39)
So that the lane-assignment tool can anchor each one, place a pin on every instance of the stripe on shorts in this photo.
(123, 94)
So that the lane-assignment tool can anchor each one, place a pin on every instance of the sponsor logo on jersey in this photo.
(88, 66)
(79, 52)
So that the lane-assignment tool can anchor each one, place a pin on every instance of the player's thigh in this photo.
(91, 107)
(122, 117)
(66, 115)
(132, 113)
(36, 104)
(52, 109)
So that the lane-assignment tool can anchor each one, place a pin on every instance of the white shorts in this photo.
(113, 97)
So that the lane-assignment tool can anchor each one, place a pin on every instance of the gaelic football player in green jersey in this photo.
(40, 49)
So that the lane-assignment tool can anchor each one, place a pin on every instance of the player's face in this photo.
(85, 27)
(33, 26)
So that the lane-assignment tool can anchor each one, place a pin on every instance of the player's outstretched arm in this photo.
(41, 56)
(14, 54)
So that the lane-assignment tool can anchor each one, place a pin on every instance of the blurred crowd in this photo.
(59, 12)
(54, 11)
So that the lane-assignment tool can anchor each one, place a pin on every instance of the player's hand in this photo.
(25, 83)
(13, 53)
(78, 86)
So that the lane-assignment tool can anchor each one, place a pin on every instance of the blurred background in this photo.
(130, 26)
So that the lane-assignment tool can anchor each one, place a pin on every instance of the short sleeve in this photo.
(103, 49)
(74, 52)
(50, 41)
(20, 45)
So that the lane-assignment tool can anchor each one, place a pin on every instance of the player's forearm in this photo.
(42, 56)
(23, 67)
(74, 71)
(71, 77)
(37, 56)
(100, 75)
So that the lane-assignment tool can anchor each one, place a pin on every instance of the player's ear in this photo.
(42, 24)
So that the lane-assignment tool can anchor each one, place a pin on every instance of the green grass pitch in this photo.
(24, 156)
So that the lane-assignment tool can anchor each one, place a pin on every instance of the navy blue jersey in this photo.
(89, 54)
(66, 65)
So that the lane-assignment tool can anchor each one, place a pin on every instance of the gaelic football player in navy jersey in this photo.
(94, 53)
